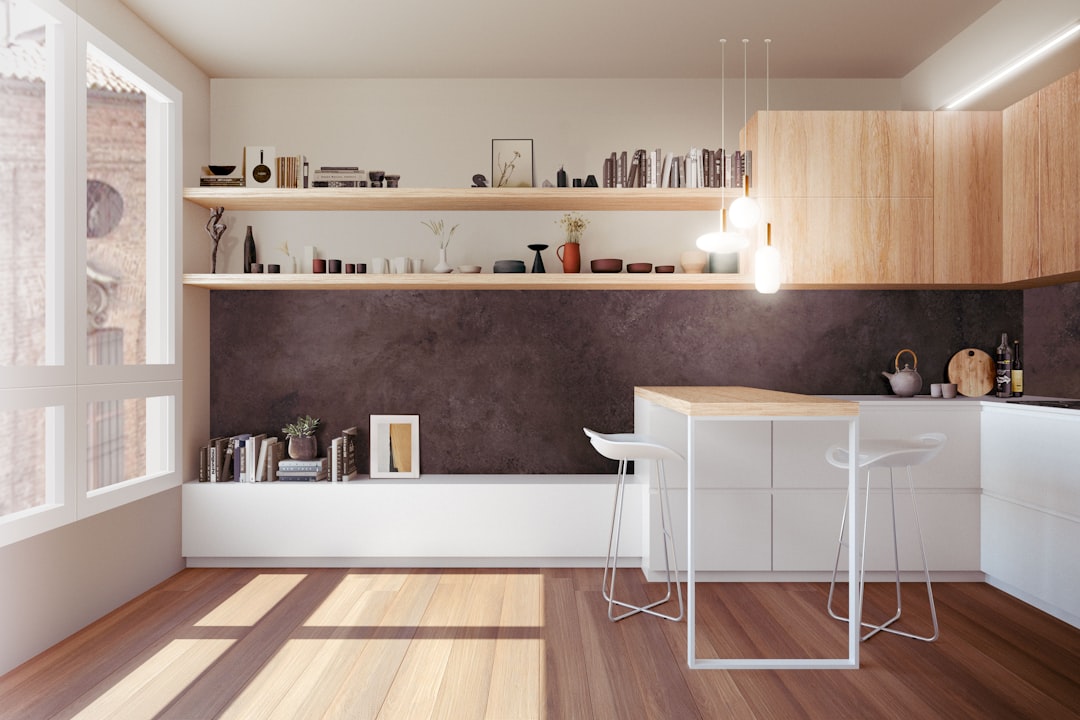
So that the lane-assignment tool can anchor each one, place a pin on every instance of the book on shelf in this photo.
(290, 170)
(215, 181)
(293, 465)
(338, 183)
(263, 454)
(342, 455)
(239, 456)
(275, 453)
(301, 477)
(216, 459)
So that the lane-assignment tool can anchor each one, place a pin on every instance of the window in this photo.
(88, 305)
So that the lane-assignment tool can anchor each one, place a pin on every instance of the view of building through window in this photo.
(116, 251)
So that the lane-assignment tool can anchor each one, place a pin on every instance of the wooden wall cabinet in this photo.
(884, 197)
(1020, 190)
(1059, 176)
(849, 194)
(967, 198)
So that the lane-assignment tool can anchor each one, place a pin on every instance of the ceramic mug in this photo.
(418, 265)
(399, 265)
(948, 390)
(378, 265)
(935, 389)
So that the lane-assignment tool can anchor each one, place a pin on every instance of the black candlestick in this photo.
(538, 262)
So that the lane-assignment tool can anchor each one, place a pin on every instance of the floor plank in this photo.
(507, 644)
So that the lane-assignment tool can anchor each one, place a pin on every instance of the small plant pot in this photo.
(303, 448)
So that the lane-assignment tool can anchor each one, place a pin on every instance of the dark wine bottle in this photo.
(1003, 374)
(1017, 371)
(249, 250)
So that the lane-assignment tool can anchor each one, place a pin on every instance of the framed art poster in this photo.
(511, 163)
(395, 446)
(259, 162)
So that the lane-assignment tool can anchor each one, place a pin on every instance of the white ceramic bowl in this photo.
(468, 268)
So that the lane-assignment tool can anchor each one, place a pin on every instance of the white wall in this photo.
(437, 133)
(55, 583)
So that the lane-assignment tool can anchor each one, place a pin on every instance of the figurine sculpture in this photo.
(215, 228)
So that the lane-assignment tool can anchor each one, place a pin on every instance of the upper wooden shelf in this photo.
(478, 281)
(561, 199)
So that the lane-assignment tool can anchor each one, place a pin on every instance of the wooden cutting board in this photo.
(973, 372)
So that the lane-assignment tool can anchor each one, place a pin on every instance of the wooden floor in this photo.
(341, 643)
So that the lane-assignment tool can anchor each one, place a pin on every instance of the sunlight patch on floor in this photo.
(149, 688)
(249, 604)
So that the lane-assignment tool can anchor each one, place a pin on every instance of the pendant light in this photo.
(723, 241)
(767, 258)
(745, 212)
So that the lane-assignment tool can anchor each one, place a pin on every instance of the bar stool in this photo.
(625, 447)
(891, 454)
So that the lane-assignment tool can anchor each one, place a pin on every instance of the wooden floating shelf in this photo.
(560, 199)
(478, 281)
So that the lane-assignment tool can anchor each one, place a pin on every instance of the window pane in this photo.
(116, 234)
(23, 471)
(24, 70)
(127, 440)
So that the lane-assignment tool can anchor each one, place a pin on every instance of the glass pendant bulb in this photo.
(724, 241)
(767, 265)
(745, 212)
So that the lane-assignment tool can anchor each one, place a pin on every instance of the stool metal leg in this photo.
(884, 626)
(612, 560)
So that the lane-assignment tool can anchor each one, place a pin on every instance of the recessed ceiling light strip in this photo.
(1015, 66)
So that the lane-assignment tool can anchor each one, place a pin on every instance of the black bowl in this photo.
(221, 169)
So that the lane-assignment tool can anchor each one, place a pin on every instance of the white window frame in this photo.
(69, 383)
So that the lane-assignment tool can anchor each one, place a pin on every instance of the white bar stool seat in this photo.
(892, 454)
(625, 447)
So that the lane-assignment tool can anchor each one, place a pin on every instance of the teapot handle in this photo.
(896, 362)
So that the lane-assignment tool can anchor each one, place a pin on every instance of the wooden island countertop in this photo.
(735, 401)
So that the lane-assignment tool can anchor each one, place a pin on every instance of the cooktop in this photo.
(1066, 404)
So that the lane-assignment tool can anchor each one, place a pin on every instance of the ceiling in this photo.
(556, 38)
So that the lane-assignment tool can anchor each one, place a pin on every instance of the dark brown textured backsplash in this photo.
(1051, 349)
(503, 381)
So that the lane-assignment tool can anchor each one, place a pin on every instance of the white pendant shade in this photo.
(744, 213)
(767, 269)
(722, 242)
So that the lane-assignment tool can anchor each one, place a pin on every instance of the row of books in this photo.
(258, 458)
(698, 168)
(292, 171)
(339, 176)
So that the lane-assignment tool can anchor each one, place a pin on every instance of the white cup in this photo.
(378, 265)
(948, 390)
(418, 265)
(935, 390)
(399, 265)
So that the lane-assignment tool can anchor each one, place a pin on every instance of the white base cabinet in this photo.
(1031, 506)
(434, 521)
(770, 506)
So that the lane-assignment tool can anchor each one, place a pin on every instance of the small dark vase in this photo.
(249, 250)
(302, 448)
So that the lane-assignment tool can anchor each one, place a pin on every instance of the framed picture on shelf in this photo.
(395, 446)
(511, 163)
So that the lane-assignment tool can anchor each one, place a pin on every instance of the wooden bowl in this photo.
(606, 265)
(665, 268)
(639, 267)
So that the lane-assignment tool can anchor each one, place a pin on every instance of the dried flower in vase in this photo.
(437, 228)
(574, 224)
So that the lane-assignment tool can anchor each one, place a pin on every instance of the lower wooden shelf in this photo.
(478, 281)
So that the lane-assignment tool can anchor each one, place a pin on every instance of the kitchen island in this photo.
(702, 406)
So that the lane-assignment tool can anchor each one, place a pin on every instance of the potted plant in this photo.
(570, 252)
(301, 434)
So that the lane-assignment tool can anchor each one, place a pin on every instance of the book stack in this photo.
(292, 171)
(221, 181)
(342, 458)
(329, 176)
(698, 168)
(240, 458)
(313, 470)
